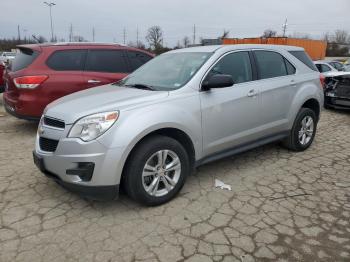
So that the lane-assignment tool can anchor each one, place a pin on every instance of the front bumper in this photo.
(89, 168)
(91, 192)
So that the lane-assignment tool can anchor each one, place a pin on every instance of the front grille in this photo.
(343, 90)
(48, 145)
(48, 121)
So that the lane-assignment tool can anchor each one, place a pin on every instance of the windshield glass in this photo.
(168, 71)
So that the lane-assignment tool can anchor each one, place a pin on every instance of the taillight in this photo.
(29, 82)
(323, 81)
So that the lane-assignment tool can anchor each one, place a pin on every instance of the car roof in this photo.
(67, 45)
(213, 48)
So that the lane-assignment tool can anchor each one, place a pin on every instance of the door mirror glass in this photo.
(217, 81)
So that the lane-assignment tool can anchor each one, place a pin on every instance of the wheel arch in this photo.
(179, 135)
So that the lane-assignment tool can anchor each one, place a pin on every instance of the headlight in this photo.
(90, 127)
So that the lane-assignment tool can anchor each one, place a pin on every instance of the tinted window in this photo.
(110, 61)
(290, 68)
(324, 68)
(270, 64)
(67, 60)
(137, 59)
(237, 65)
(23, 59)
(303, 57)
(337, 66)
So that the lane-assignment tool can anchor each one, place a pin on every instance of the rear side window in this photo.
(23, 59)
(270, 64)
(304, 58)
(290, 68)
(67, 60)
(109, 61)
(235, 64)
(137, 59)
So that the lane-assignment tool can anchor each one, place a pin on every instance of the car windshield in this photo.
(167, 72)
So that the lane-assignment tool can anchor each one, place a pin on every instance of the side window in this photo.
(67, 60)
(325, 68)
(109, 61)
(270, 64)
(235, 64)
(290, 68)
(137, 59)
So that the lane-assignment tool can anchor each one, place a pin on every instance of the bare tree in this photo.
(225, 34)
(138, 44)
(186, 41)
(155, 37)
(341, 36)
(269, 33)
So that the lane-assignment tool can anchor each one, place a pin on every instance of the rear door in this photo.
(104, 66)
(278, 85)
(65, 73)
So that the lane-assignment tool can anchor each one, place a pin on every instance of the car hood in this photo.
(100, 99)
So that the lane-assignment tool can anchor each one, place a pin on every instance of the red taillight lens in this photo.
(29, 82)
(323, 81)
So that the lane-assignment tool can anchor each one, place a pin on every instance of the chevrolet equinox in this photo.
(182, 109)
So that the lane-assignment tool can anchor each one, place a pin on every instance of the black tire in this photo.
(132, 177)
(292, 141)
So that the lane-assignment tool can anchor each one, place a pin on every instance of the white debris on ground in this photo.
(222, 185)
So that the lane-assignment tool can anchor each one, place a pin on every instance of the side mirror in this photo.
(217, 81)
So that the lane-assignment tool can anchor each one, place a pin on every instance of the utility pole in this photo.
(71, 32)
(19, 33)
(93, 34)
(194, 34)
(137, 36)
(50, 5)
(124, 35)
(284, 27)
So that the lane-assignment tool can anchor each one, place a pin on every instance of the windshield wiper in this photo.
(141, 86)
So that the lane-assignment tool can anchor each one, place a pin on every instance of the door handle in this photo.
(292, 83)
(252, 93)
(93, 81)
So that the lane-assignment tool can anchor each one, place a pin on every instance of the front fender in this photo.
(134, 124)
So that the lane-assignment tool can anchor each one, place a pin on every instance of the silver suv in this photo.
(182, 109)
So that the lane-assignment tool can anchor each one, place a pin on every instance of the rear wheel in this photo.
(303, 131)
(156, 170)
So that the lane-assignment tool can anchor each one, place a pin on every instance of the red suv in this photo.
(42, 73)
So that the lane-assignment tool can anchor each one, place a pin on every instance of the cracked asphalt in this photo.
(283, 206)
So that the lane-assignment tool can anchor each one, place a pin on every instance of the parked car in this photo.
(337, 92)
(6, 57)
(42, 73)
(2, 84)
(331, 68)
(182, 109)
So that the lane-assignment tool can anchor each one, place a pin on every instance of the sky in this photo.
(243, 18)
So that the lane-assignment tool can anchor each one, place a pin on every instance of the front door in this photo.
(231, 115)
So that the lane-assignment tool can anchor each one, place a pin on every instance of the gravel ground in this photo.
(283, 206)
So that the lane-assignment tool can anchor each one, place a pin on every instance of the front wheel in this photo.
(156, 170)
(303, 131)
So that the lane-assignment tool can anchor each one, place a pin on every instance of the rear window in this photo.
(137, 59)
(23, 59)
(270, 64)
(108, 61)
(67, 60)
(303, 57)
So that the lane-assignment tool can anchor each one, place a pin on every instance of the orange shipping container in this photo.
(315, 48)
